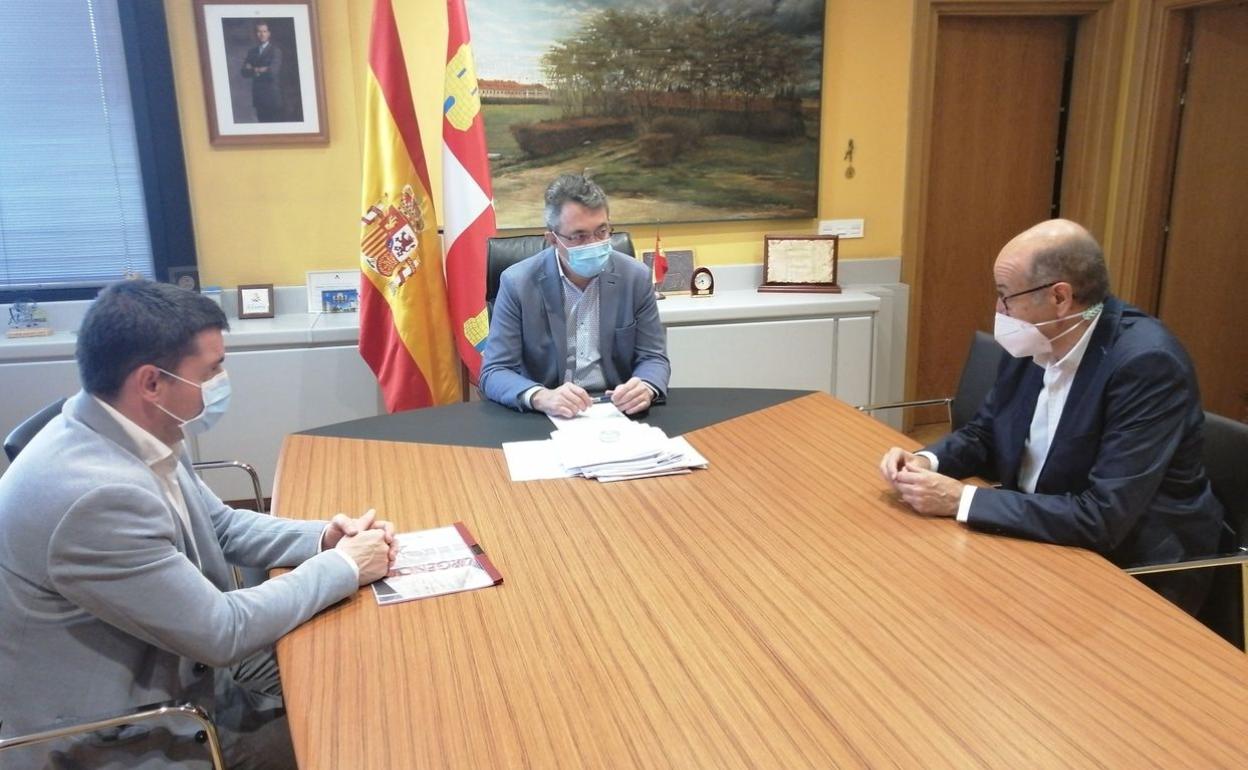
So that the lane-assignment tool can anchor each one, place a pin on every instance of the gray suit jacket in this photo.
(528, 340)
(107, 602)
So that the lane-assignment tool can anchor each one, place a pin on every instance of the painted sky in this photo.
(510, 36)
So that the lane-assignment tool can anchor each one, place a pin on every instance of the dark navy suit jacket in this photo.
(1123, 475)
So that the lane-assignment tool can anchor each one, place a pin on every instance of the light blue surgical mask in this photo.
(216, 396)
(589, 260)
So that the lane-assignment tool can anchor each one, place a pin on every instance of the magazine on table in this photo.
(433, 562)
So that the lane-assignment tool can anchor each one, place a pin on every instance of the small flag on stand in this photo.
(660, 263)
(405, 334)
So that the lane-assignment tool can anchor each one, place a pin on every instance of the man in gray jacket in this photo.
(115, 585)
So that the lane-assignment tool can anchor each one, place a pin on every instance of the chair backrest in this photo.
(502, 253)
(1226, 446)
(20, 436)
(978, 374)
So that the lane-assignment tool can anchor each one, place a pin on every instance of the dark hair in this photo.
(1077, 259)
(576, 188)
(132, 323)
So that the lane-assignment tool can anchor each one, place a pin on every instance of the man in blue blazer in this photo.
(115, 587)
(1093, 427)
(577, 318)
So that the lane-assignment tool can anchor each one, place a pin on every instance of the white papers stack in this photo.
(604, 447)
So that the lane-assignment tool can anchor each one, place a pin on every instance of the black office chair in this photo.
(503, 252)
(1226, 446)
(978, 374)
(20, 436)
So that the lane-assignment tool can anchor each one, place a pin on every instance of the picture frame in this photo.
(679, 270)
(333, 291)
(800, 263)
(184, 277)
(261, 67)
(255, 300)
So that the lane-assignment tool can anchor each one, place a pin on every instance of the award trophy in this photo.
(27, 319)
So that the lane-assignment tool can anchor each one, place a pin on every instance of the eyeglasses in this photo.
(1005, 300)
(580, 238)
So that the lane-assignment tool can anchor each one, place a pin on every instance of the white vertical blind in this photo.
(71, 192)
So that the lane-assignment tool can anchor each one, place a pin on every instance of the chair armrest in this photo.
(1182, 566)
(905, 404)
(142, 714)
(210, 465)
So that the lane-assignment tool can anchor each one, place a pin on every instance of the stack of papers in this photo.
(603, 444)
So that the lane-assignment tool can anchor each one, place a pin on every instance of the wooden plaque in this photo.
(800, 263)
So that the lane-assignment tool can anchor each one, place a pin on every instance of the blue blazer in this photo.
(1124, 475)
(528, 339)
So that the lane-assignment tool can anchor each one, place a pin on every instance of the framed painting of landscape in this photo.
(682, 112)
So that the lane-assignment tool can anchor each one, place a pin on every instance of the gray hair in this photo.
(1076, 258)
(576, 188)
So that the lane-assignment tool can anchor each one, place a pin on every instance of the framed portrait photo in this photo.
(261, 65)
(255, 300)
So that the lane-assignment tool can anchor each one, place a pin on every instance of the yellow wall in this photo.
(268, 214)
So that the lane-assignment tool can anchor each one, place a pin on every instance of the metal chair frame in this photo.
(207, 734)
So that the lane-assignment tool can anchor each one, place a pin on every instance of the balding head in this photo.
(1061, 250)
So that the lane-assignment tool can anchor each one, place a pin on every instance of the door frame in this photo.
(1090, 133)
(1147, 152)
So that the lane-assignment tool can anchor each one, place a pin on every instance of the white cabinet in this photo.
(278, 392)
(796, 354)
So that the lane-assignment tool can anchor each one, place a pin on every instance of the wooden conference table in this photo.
(780, 609)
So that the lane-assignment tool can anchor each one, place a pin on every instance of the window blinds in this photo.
(71, 192)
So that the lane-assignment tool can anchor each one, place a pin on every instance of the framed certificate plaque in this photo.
(800, 263)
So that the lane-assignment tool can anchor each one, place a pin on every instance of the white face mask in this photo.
(1023, 340)
(216, 397)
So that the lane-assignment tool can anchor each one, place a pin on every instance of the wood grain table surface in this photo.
(779, 610)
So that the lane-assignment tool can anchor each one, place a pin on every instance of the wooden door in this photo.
(1204, 285)
(995, 133)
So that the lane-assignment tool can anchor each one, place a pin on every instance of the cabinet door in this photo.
(854, 343)
(797, 354)
(278, 392)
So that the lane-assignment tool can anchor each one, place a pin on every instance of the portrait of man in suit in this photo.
(263, 67)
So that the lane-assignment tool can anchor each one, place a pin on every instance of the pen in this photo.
(604, 398)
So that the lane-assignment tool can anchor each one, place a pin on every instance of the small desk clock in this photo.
(702, 284)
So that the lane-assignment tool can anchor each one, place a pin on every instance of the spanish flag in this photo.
(405, 332)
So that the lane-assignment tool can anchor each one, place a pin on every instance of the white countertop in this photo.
(736, 299)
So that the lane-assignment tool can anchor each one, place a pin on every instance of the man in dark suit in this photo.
(1093, 427)
(576, 318)
(263, 67)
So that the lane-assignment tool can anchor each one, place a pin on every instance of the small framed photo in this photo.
(185, 277)
(800, 263)
(255, 300)
(333, 291)
(679, 269)
(261, 66)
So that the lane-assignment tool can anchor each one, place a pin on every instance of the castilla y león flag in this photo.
(405, 334)
(467, 200)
